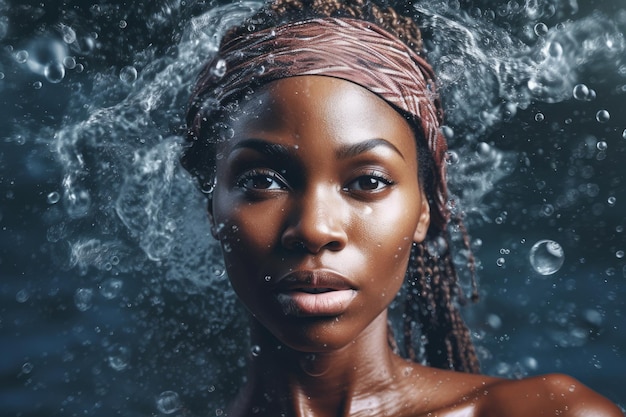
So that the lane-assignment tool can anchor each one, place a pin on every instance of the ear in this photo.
(423, 221)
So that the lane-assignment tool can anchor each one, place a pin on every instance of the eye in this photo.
(373, 182)
(261, 180)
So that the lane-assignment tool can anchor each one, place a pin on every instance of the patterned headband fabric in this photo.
(349, 49)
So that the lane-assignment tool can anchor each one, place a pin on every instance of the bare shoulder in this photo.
(549, 395)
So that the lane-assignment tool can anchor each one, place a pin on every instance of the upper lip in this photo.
(313, 279)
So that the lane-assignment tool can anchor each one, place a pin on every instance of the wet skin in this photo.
(316, 206)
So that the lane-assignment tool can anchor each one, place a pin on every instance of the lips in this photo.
(314, 293)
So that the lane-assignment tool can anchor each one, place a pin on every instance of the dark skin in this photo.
(317, 203)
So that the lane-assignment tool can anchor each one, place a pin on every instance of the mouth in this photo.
(314, 293)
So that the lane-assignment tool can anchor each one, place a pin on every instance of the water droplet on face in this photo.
(168, 402)
(54, 72)
(128, 74)
(603, 116)
(546, 257)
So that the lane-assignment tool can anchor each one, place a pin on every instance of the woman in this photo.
(315, 134)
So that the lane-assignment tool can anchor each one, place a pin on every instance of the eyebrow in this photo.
(345, 152)
(350, 151)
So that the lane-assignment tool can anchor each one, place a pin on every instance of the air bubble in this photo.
(540, 29)
(128, 74)
(69, 35)
(37, 85)
(603, 116)
(22, 296)
(83, 299)
(546, 257)
(619, 254)
(21, 57)
(539, 117)
(602, 145)
(111, 288)
(168, 402)
(255, 350)
(581, 92)
(27, 368)
(624, 134)
(119, 357)
(268, 278)
(54, 72)
(123, 24)
(611, 201)
(500, 262)
(53, 197)
(69, 62)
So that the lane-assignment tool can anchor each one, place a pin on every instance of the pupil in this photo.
(369, 183)
(261, 182)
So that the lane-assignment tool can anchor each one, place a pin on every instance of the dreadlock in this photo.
(433, 331)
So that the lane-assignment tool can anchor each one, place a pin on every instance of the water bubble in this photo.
(539, 117)
(619, 254)
(268, 278)
(452, 158)
(37, 85)
(624, 134)
(546, 257)
(54, 72)
(69, 62)
(21, 57)
(500, 262)
(603, 116)
(602, 145)
(168, 402)
(2, 77)
(80, 67)
(581, 92)
(111, 288)
(123, 24)
(128, 74)
(83, 298)
(540, 29)
(53, 197)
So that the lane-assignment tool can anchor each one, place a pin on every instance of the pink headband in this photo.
(350, 49)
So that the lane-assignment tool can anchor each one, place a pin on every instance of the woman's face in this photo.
(316, 206)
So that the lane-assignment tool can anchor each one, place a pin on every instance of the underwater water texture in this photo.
(113, 300)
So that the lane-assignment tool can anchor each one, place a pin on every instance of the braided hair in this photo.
(433, 331)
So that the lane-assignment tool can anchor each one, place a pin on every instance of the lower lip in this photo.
(331, 303)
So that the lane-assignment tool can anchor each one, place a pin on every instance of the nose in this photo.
(316, 222)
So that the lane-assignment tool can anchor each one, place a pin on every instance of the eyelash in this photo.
(261, 174)
(381, 181)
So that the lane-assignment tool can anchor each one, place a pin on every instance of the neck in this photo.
(327, 383)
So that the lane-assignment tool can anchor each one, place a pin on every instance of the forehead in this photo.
(330, 107)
